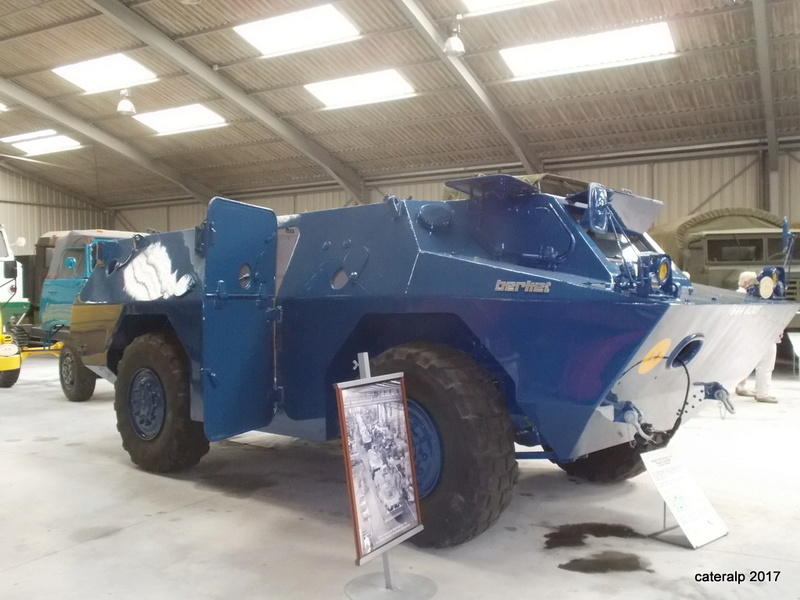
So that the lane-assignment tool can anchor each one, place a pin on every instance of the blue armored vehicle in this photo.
(516, 316)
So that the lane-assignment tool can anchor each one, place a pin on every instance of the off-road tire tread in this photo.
(85, 380)
(485, 423)
(9, 378)
(182, 442)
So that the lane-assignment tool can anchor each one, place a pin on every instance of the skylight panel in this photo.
(46, 145)
(3, 107)
(482, 7)
(380, 86)
(28, 136)
(301, 30)
(587, 53)
(181, 119)
(113, 72)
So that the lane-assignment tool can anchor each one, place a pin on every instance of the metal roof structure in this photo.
(734, 82)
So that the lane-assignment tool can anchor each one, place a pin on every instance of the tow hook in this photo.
(715, 391)
(632, 417)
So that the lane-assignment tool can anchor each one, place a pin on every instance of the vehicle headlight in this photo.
(663, 270)
(7, 350)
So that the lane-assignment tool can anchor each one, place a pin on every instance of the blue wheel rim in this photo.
(428, 454)
(147, 404)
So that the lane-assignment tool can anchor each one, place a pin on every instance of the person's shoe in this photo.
(742, 391)
(767, 399)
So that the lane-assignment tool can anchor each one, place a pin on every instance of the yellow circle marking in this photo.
(655, 355)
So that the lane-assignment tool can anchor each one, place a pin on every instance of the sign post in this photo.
(379, 463)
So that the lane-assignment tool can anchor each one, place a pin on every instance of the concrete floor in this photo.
(267, 517)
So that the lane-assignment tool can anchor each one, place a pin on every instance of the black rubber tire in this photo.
(479, 467)
(181, 442)
(9, 378)
(608, 465)
(77, 382)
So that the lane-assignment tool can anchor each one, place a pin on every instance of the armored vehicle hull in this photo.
(516, 316)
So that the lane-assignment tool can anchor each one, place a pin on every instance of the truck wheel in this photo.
(608, 465)
(463, 443)
(9, 378)
(77, 382)
(152, 405)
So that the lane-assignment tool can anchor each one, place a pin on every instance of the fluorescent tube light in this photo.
(46, 145)
(482, 7)
(108, 73)
(181, 119)
(28, 136)
(362, 89)
(301, 30)
(587, 53)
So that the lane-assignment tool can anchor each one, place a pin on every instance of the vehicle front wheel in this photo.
(462, 441)
(152, 405)
(77, 382)
(9, 378)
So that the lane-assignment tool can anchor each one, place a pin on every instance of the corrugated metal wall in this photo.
(789, 168)
(28, 209)
(685, 186)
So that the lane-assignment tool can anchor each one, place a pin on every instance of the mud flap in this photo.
(238, 318)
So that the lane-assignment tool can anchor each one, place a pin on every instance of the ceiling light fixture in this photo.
(297, 31)
(181, 119)
(483, 7)
(125, 106)
(454, 46)
(605, 50)
(362, 89)
(112, 72)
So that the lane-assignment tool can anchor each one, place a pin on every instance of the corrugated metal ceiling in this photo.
(709, 93)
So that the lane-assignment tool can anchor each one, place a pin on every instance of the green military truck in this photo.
(714, 247)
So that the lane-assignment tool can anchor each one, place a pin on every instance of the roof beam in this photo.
(51, 111)
(765, 77)
(153, 37)
(429, 30)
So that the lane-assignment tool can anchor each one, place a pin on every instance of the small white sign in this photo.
(686, 501)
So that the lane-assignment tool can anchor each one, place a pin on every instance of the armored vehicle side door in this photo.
(238, 318)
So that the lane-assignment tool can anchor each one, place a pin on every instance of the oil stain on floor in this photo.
(574, 535)
(605, 562)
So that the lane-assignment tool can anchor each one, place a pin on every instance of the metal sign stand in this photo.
(696, 518)
(403, 586)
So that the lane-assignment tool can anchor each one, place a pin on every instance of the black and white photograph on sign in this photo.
(379, 459)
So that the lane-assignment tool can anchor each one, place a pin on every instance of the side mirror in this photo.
(10, 269)
(596, 216)
(70, 263)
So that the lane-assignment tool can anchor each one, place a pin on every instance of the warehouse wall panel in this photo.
(789, 167)
(29, 208)
(184, 216)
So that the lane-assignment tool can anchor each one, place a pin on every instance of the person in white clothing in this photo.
(766, 365)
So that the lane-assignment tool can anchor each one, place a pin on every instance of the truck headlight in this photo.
(7, 350)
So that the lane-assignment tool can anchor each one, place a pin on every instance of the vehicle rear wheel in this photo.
(608, 465)
(152, 405)
(462, 440)
(77, 382)
(9, 378)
